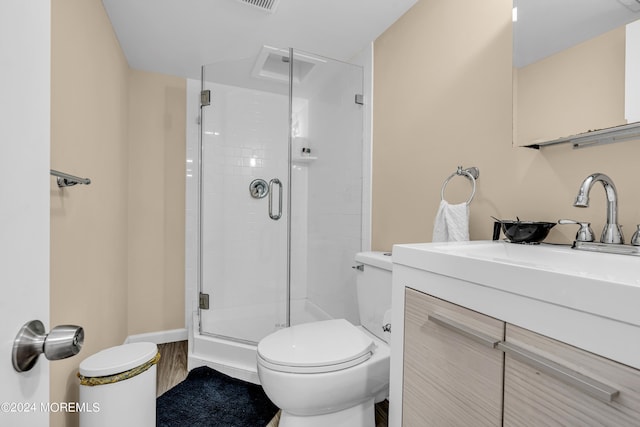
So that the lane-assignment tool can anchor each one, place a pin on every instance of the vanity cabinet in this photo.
(449, 375)
(463, 368)
(533, 397)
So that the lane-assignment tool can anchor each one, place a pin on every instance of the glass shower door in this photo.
(327, 125)
(243, 202)
(281, 197)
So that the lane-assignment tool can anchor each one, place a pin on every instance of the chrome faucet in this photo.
(612, 233)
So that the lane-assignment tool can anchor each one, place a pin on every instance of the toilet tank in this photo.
(373, 284)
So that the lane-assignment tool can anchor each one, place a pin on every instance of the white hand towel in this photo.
(452, 223)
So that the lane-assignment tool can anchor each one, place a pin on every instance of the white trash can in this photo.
(118, 386)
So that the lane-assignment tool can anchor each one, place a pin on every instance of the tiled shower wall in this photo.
(335, 210)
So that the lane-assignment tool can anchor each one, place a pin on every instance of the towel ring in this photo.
(471, 174)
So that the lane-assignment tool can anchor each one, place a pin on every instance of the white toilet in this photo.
(330, 373)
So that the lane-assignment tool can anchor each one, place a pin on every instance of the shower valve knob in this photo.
(258, 188)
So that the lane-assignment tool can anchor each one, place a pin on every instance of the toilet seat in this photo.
(315, 347)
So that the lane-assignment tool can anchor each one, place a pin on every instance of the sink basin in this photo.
(607, 285)
(557, 258)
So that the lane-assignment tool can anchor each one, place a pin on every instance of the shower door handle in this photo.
(275, 181)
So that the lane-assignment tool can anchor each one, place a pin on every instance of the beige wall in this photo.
(89, 106)
(443, 98)
(576, 90)
(157, 126)
(117, 245)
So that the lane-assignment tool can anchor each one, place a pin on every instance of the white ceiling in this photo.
(176, 37)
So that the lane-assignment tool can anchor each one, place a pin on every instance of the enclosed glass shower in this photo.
(280, 192)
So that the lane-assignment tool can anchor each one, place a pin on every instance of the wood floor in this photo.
(172, 370)
(172, 367)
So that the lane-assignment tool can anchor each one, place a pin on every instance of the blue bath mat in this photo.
(208, 398)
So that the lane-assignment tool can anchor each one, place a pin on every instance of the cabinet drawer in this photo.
(450, 377)
(533, 397)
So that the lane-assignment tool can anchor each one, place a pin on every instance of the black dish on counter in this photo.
(526, 231)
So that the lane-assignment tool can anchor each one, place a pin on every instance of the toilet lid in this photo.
(325, 346)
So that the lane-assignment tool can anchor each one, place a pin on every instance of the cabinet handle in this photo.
(588, 385)
(461, 329)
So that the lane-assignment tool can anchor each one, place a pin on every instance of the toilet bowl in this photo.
(330, 373)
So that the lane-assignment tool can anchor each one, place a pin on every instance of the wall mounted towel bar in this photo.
(471, 174)
(66, 180)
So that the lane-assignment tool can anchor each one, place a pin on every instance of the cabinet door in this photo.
(535, 395)
(452, 377)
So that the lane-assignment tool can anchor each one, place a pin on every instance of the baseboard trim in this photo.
(160, 337)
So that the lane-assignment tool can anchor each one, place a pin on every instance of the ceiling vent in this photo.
(273, 63)
(265, 5)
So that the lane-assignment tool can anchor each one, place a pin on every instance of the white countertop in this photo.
(589, 300)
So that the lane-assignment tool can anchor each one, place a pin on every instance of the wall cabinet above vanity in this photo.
(575, 70)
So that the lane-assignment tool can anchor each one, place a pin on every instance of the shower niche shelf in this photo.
(300, 159)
